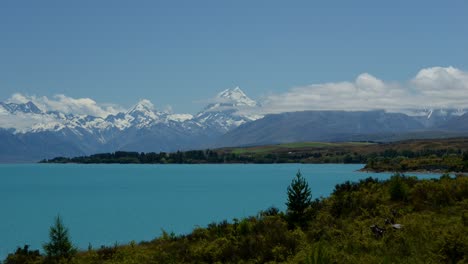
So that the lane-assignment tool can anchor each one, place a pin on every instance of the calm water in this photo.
(107, 204)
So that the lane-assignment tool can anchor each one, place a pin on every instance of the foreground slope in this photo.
(402, 220)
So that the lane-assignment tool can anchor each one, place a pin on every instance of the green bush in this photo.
(24, 255)
(398, 188)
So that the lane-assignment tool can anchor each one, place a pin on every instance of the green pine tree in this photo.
(59, 249)
(299, 199)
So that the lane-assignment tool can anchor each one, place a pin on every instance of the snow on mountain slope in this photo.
(228, 110)
(26, 117)
(231, 108)
(430, 117)
(143, 114)
(28, 107)
(236, 97)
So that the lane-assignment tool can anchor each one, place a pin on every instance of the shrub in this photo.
(23, 255)
(398, 188)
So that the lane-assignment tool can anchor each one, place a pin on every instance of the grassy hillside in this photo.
(410, 155)
(402, 220)
(360, 147)
(300, 146)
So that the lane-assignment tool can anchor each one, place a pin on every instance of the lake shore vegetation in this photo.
(436, 155)
(400, 220)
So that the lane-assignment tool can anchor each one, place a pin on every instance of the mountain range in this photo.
(28, 133)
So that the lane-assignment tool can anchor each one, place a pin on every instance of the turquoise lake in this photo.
(108, 204)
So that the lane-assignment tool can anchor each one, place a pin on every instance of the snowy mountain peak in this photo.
(143, 108)
(29, 108)
(235, 96)
(230, 109)
(143, 114)
(143, 105)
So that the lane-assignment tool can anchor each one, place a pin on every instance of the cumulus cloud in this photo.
(436, 87)
(68, 105)
(442, 86)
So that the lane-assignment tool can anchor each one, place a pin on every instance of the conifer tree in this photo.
(299, 199)
(59, 249)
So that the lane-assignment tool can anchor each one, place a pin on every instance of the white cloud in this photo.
(436, 87)
(24, 122)
(18, 98)
(442, 87)
(68, 105)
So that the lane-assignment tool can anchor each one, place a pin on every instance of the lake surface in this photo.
(108, 204)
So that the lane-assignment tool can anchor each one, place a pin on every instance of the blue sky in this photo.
(181, 53)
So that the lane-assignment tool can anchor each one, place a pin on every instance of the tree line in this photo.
(388, 160)
(210, 156)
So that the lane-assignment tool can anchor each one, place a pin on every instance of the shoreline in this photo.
(413, 171)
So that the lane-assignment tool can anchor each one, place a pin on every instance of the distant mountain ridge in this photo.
(28, 133)
(335, 126)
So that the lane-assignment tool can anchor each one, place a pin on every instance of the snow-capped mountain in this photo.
(236, 98)
(141, 128)
(29, 133)
(13, 108)
(232, 108)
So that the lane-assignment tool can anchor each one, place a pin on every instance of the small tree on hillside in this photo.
(398, 188)
(59, 249)
(299, 199)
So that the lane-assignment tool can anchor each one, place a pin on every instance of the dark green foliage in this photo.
(299, 199)
(106, 253)
(348, 186)
(465, 156)
(453, 247)
(398, 188)
(23, 256)
(59, 249)
(417, 155)
(350, 198)
(318, 255)
(272, 211)
(433, 194)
